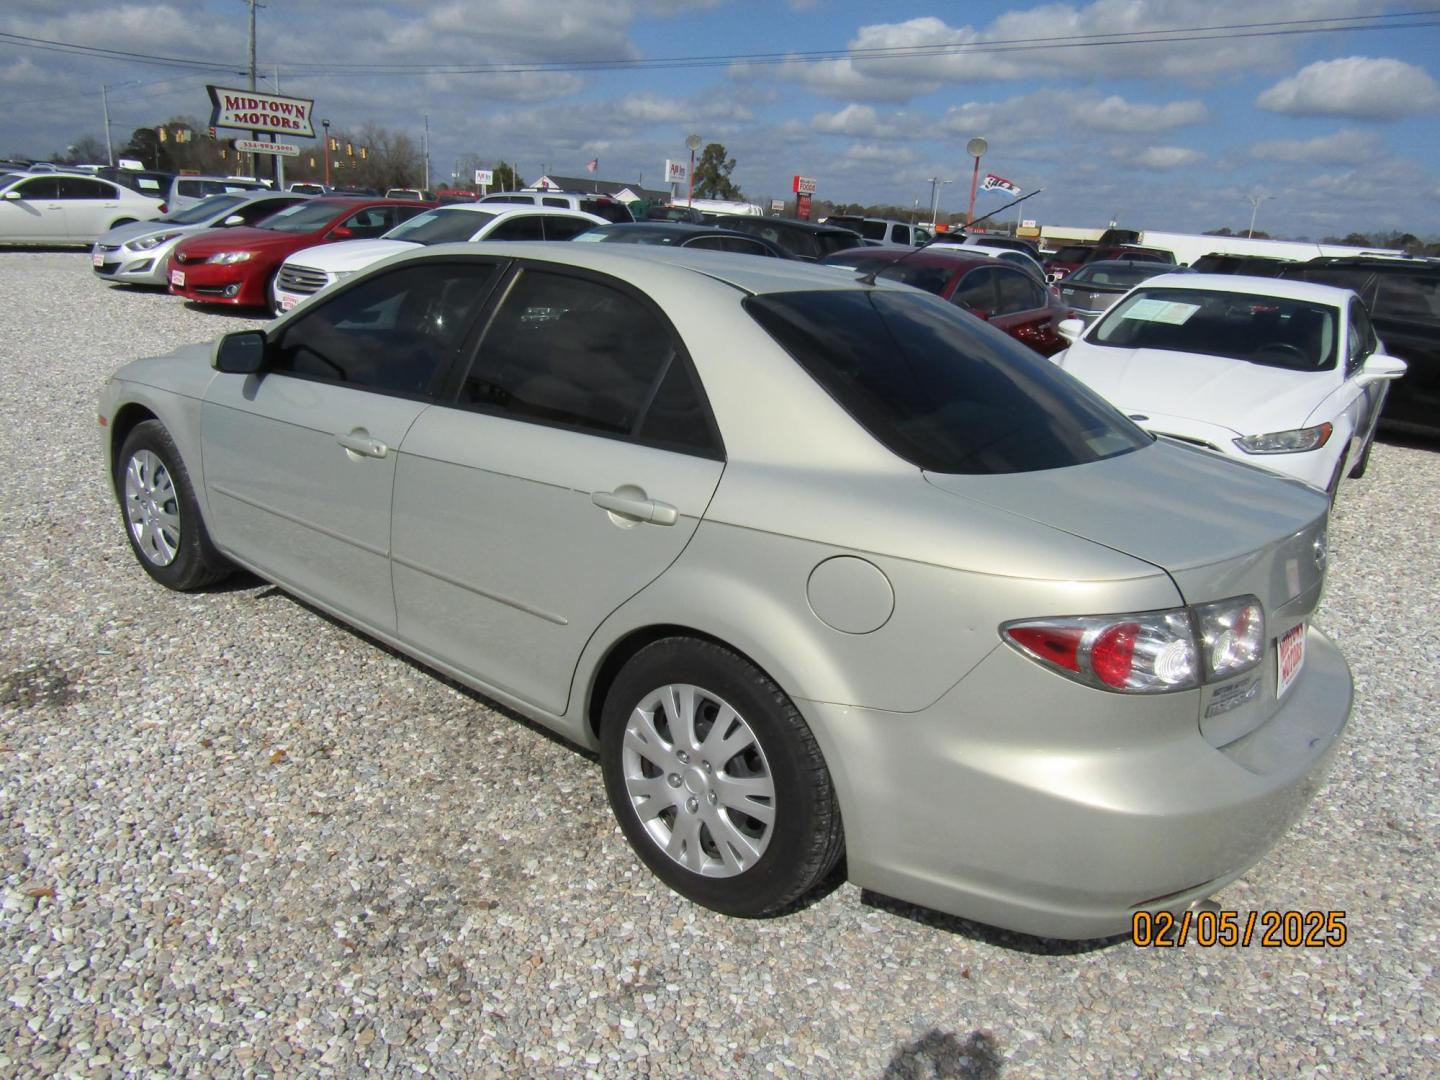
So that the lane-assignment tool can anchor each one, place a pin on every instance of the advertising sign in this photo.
(804, 185)
(802, 206)
(259, 146)
(250, 110)
(677, 172)
(777, 206)
(484, 177)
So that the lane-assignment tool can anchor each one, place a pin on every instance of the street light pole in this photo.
(976, 148)
(1255, 201)
(693, 142)
(935, 185)
(325, 124)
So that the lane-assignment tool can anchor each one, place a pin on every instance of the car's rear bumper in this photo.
(967, 807)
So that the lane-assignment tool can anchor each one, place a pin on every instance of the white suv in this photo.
(308, 271)
(612, 210)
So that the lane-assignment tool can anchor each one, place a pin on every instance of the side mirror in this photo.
(233, 219)
(1071, 329)
(342, 232)
(14, 196)
(1050, 279)
(240, 353)
(1381, 368)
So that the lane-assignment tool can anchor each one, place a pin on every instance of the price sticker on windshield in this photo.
(1290, 657)
(1170, 312)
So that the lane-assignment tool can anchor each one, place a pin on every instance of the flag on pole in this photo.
(594, 164)
(999, 183)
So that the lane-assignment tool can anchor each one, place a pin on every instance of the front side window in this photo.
(576, 352)
(41, 187)
(397, 332)
(305, 217)
(939, 389)
(1362, 340)
(1269, 330)
(976, 291)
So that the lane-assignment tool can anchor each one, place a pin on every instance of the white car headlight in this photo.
(147, 242)
(226, 257)
(1295, 441)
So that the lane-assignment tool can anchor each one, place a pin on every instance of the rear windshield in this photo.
(1072, 254)
(203, 210)
(303, 217)
(440, 226)
(608, 209)
(1267, 330)
(939, 388)
(1114, 274)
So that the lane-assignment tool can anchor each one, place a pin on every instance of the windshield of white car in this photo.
(203, 210)
(939, 388)
(1272, 331)
(440, 226)
(304, 217)
(1118, 275)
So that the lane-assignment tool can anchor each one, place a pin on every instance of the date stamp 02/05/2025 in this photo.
(1234, 929)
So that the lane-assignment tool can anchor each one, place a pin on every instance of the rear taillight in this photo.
(164, 208)
(1147, 653)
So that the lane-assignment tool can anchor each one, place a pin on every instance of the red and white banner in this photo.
(999, 183)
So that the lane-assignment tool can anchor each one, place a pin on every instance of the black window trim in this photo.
(449, 396)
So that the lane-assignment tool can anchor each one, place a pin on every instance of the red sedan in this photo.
(235, 266)
(997, 292)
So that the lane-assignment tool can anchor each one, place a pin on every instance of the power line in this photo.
(1167, 35)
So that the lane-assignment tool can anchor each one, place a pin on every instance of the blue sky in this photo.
(1336, 130)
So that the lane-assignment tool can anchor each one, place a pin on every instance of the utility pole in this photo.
(105, 108)
(935, 185)
(254, 158)
(279, 160)
(426, 185)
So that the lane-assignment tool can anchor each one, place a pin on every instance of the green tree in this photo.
(145, 146)
(712, 174)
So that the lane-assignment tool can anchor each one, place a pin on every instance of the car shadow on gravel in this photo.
(1012, 940)
(229, 311)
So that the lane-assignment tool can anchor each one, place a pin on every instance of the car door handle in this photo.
(636, 507)
(357, 442)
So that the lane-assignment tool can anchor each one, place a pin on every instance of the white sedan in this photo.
(1284, 374)
(306, 272)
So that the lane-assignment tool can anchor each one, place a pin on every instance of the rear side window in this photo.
(549, 200)
(519, 227)
(578, 353)
(558, 227)
(1017, 292)
(937, 388)
(932, 279)
(608, 209)
(78, 187)
(1409, 296)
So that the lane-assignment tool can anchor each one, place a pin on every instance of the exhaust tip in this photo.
(1206, 904)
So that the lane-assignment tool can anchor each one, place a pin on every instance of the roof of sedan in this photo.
(1254, 286)
(949, 258)
(643, 264)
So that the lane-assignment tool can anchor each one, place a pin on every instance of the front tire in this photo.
(161, 516)
(716, 780)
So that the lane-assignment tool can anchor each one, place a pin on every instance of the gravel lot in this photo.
(242, 840)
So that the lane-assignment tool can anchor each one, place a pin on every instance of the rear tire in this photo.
(716, 780)
(161, 516)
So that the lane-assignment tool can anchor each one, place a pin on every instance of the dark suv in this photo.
(1403, 296)
(801, 239)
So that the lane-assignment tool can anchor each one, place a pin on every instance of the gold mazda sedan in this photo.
(823, 568)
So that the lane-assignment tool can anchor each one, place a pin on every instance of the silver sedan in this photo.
(136, 254)
(821, 568)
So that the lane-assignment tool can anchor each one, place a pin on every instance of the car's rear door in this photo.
(90, 206)
(1023, 310)
(572, 467)
(300, 461)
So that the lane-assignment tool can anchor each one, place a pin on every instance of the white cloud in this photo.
(1359, 87)
(883, 155)
(929, 53)
(655, 109)
(1168, 157)
(1342, 147)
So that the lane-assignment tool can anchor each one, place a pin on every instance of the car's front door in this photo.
(571, 469)
(1364, 403)
(300, 460)
(35, 215)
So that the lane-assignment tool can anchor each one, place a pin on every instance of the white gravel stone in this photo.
(420, 885)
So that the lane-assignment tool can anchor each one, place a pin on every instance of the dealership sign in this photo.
(805, 185)
(484, 177)
(252, 111)
(257, 146)
(676, 172)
